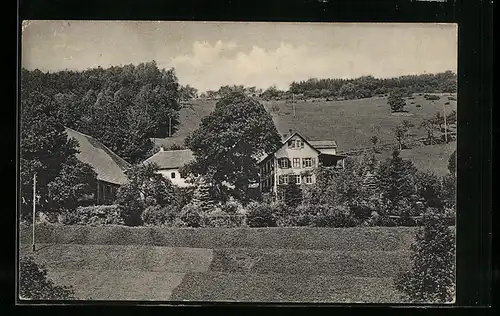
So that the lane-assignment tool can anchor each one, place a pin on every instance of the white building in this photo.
(169, 163)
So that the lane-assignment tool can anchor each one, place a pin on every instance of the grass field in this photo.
(350, 123)
(265, 264)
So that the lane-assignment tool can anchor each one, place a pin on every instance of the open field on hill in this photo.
(431, 158)
(350, 123)
(261, 264)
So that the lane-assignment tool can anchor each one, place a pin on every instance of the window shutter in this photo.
(313, 162)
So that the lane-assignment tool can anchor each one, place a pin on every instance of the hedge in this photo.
(346, 239)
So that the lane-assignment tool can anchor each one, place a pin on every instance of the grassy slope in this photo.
(350, 123)
(273, 264)
(432, 158)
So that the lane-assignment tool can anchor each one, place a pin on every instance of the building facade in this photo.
(295, 161)
(169, 162)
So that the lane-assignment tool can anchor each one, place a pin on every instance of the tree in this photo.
(292, 194)
(452, 163)
(145, 188)
(396, 101)
(187, 93)
(203, 196)
(34, 284)
(430, 279)
(348, 90)
(229, 141)
(396, 180)
(429, 127)
(400, 133)
(46, 150)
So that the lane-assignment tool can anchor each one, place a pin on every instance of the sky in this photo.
(207, 55)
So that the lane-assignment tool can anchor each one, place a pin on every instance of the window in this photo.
(283, 179)
(299, 143)
(308, 179)
(297, 179)
(172, 175)
(284, 163)
(291, 144)
(296, 162)
(306, 162)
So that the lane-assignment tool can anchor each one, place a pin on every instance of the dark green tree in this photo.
(396, 101)
(431, 276)
(145, 188)
(452, 163)
(46, 150)
(229, 142)
(397, 183)
(35, 285)
(291, 193)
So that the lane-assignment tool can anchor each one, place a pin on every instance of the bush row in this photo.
(233, 215)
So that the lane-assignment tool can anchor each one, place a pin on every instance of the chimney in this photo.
(290, 132)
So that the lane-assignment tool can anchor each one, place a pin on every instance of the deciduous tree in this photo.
(229, 142)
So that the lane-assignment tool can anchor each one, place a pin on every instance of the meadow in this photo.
(351, 123)
(343, 265)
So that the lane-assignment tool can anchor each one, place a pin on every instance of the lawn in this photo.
(244, 264)
(350, 123)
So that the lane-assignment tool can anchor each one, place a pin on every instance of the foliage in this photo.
(191, 215)
(396, 101)
(183, 195)
(62, 180)
(145, 187)
(260, 215)
(396, 179)
(187, 93)
(291, 194)
(452, 162)
(203, 195)
(121, 106)
(431, 278)
(34, 284)
(332, 216)
(95, 215)
(431, 97)
(228, 142)
(220, 218)
(368, 86)
(158, 215)
(374, 139)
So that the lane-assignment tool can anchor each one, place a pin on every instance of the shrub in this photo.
(159, 215)
(452, 98)
(333, 216)
(191, 216)
(231, 207)
(418, 106)
(431, 97)
(34, 284)
(95, 215)
(430, 278)
(219, 218)
(291, 216)
(260, 215)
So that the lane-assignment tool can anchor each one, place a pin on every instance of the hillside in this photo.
(350, 123)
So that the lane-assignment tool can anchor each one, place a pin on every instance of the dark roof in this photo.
(323, 144)
(108, 165)
(171, 159)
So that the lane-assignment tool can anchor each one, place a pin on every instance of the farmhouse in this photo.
(110, 168)
(169, 162)
(295, 161)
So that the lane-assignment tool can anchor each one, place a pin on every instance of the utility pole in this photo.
(293, 103)
(445, 127)
(169, 127)
(34, 211)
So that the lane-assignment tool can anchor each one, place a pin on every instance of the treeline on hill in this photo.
(121, 106)
(369, 86)
(358, 88)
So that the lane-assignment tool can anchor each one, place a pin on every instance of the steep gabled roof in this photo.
(109, 166)
(171, 159)
(265, 158)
